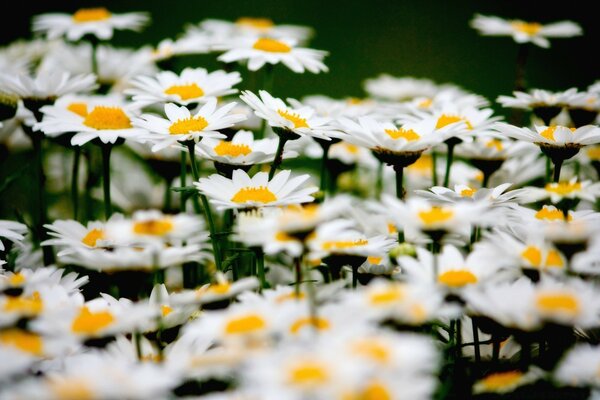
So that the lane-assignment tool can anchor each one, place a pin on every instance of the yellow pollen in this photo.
(88, 322)
(548, 133)
(553, 259)
(231, 149)
(92, 237)
(290, 296)
(107, 118)
(407, 134)
(351, 148)
(244, 325)
(346, 244)
(446, 119)
(67, 389)
(563, 188)
(78, 108)
(374, 260)
(386, 296)
(373, 350)
(457, 278)
(557, 302)
(165, 310)
(551, 214)
(425, 103)
(25, 305)
(468, 192)
(187, 125)
(219, 288)
(284, 237)
(529, 28)
(435, 215)
(495, 143)
(91, 14)
(392, 228)
(261, 24)
(593, 153)
(294, 118)
(271, 46)
(308, 373)
(155, 227)
(259, 194)
(501, 380)
(16, 279)
(532, 255)
(22, 340)
(317, 323)
(185, 92)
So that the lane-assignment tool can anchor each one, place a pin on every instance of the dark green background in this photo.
(429, 39)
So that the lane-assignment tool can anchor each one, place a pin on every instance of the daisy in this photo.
(253, 26)
(180, 125)
(302, 121)
(579, 366)
(242, 150)
(192, 85)
(391, 88)
(525, 32)
(557, 191)
(259, 51)
(583, 108)
(98, 22)
(496, 196)
(108, 120)
(544, 104)
(221, 289)
(186, 45)
(486, 148)
(552, 136)
(69, 235)
(11, 230)
(243, 191)
(507, 381)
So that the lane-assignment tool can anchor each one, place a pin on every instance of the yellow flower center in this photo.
(391, 228)
(557, 302)
(294, 118)
(563, 188)
(422, 166)
(185, 92)
(92, 237)
(495, 143)
(435, 215)
(426, 103)
(446, 119)
(88, 322)
(290, 296)
(320, 324)
(350, 148)
(25, 341)
(345, 244)
(532, 255)
(386, 296)
(375, 391)
(220, 288)
(407, 134)
(24, 305)
(78, 108)
(271, 46)
(308, 373)
(468, 192)
(553, 259)
(261, 24)
(16, 279)
(231, 149)
(551, 214)
(259, 194)
(374, 260)
(501, 380)
(457, 278)
(187, 125)
(91, 14)
(107, 118)
(548, 133)
(165, 310)
(67, 389)
(373, 350)
(594, 153)
(155, 227)
(284, 237)
(246, 324)
(529, 28)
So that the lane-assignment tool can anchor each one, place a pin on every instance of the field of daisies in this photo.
(186, 234)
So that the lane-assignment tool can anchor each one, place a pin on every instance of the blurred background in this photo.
(427, 39)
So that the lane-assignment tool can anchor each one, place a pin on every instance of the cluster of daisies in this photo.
(192, 235)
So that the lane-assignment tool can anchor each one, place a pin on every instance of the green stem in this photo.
(434, 177)
(476, 342)
(323, 186)
(379, 183)
(548, 169)
(557, 167)
(42, 216)
(106, 151)
(168, 195)
(449, 160)
(278, 157)
(137, 337)
(94, 43)
(435, 251)
(486, 179)
(399, 181)
(298, 270)
(75, 181)
(182, 180)
(260, 266)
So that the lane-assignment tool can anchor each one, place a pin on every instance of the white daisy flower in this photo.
(392, 88)
(556, 191)
(302, 121)
(95, 21)
(253, 26)
(243, 191)
(488, 148)
(258, 51)
(47, 85)
(188, 44)
(180, 125)
(537, 98)
(69, 235)
(241, 150)
(108, 121)
(579, 366)
(525, 32)
(192, 85)
(552, 136)
(11, 230)
(221, 289)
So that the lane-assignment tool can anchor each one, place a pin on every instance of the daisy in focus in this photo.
(525, 32)
(98, 22)
(552, 136)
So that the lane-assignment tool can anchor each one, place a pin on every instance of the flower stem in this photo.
(476, 342)
(278, 157)
(449, 160)
(434, 177)
(379, 182)
(324, 175)
(260, 266)
(298, 270)
(557, 168)
(75, 181)
(182, 178)
(94, 44)
(42, 216)
(168, 195)
(106, 151)
(399, 181)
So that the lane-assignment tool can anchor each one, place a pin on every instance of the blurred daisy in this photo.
(253, 26)
(544, 104)
(192, 85)
(578, 367)
(98, 22)
(525, 32)
(302, 121)
(557, 191)
(180, 125)
(493, 196)
(11, 230)
(391, 88)
(221, 289)
(243, 191)
(488, 148)
(507, 381)
(68, 235)
(259, 51)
